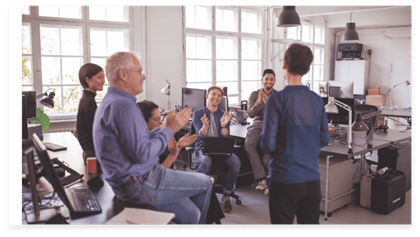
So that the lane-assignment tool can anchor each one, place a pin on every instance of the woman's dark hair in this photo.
(88, 70)
(146, 107)
(298, 58)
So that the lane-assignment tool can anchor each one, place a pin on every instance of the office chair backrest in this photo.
(367, 109)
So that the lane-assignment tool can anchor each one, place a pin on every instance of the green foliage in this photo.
(42, 119)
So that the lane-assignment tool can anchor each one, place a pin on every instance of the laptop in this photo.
(79, 200)
(219, 146)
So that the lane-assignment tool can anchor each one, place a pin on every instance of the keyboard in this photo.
(83, 200)
(54, 147)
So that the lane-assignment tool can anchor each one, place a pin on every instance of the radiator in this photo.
(63, 129)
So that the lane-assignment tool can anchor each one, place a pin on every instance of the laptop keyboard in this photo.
(83, 200)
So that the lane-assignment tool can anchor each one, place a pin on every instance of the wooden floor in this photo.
(255, 211)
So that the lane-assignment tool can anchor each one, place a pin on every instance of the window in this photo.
(224, 51)
(59, 49)
(313, 36)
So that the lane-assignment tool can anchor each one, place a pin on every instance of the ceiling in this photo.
(365, 17)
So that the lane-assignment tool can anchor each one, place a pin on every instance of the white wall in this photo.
(164, 54)
(385, 51)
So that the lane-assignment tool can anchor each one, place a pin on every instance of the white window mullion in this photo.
(213, 48)
(240, 55)
(36, 59)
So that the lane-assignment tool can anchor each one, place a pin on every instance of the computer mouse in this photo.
(95, 182)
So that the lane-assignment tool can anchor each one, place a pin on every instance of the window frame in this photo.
(239, 35)
(35, 21)
(313, 45)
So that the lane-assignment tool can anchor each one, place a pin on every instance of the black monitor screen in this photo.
(24, 119)
(193, 98)
(30, 104)
(343, 115)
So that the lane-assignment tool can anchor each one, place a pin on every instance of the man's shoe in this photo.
(262, 185)
(226, 206)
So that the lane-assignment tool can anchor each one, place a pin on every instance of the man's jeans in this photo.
(184, 193)
(232, 161)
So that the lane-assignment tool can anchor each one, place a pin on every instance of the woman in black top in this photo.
(92, 78)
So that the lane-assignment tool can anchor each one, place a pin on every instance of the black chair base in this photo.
(218, 188)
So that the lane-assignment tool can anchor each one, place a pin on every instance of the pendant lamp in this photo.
(288, 17)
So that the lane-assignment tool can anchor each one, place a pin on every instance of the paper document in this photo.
(141, 217)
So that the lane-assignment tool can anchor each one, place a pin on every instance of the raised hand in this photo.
(172, 146)
(225, 119)
(186, 140)
(178, 120)
(261, 96)
(205, 121)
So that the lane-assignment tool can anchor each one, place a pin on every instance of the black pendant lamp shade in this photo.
(288, 17)
(350, 33)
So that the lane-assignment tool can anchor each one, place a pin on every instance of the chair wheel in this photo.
(238, 202)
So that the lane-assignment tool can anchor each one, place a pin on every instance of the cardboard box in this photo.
(373, 90)
(378, 100)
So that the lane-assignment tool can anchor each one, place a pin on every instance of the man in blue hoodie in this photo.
(295, 128)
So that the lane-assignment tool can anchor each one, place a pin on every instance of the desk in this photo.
(73, 157)
(405, 113)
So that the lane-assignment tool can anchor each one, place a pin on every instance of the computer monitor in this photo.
(30, 104)
(343, 115)
(24, 119)
(340, 89)
(193, 98)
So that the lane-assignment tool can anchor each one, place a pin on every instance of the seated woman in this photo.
(92, 78)
(152, 117)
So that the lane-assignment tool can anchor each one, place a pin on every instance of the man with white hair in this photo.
(129, 155)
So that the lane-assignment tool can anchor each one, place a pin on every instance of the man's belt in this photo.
(126, 183)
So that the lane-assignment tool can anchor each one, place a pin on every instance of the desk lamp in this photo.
(393, 96)
(167, 91)
(359, 125)
(48, 100)
(331, 108)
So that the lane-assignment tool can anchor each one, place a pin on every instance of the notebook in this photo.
(219, 145)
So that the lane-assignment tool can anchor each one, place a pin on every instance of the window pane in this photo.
(58, 105)
(293, 33)
(100, 62)
(227, 19)
(233, 100)
(204, 86)
(198, 47)
(226, 48)
(232, 86)
(109, 13)
(61, 11)
(251, 70)
(70, 41)
(319, 35)
(318, 56)
(26, 10)
(307, 33)
(50, 41)
(71, 68)
(198, 17)
(227, 70)
(308, 76)
(251, 49)
(251, 21)
(27, 71)
(199, 71)
(26, 39)
(318, 72)
(117, 42)
(98, 43)
(248, 87)
(71, 98)
(101, 94)
(51, 70)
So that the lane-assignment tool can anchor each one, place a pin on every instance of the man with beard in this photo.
(256, 103)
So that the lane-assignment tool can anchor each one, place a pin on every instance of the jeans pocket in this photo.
(135, 194)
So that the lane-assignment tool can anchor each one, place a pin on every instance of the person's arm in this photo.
(173, 153)
(134, 135)
(224, 122)
(253, 106)
(270, 129)
(198, 124)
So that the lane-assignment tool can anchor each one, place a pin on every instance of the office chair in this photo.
(218, 169)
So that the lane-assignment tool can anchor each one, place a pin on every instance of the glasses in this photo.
(141, 71)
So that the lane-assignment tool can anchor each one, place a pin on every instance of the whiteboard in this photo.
(401, 71)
